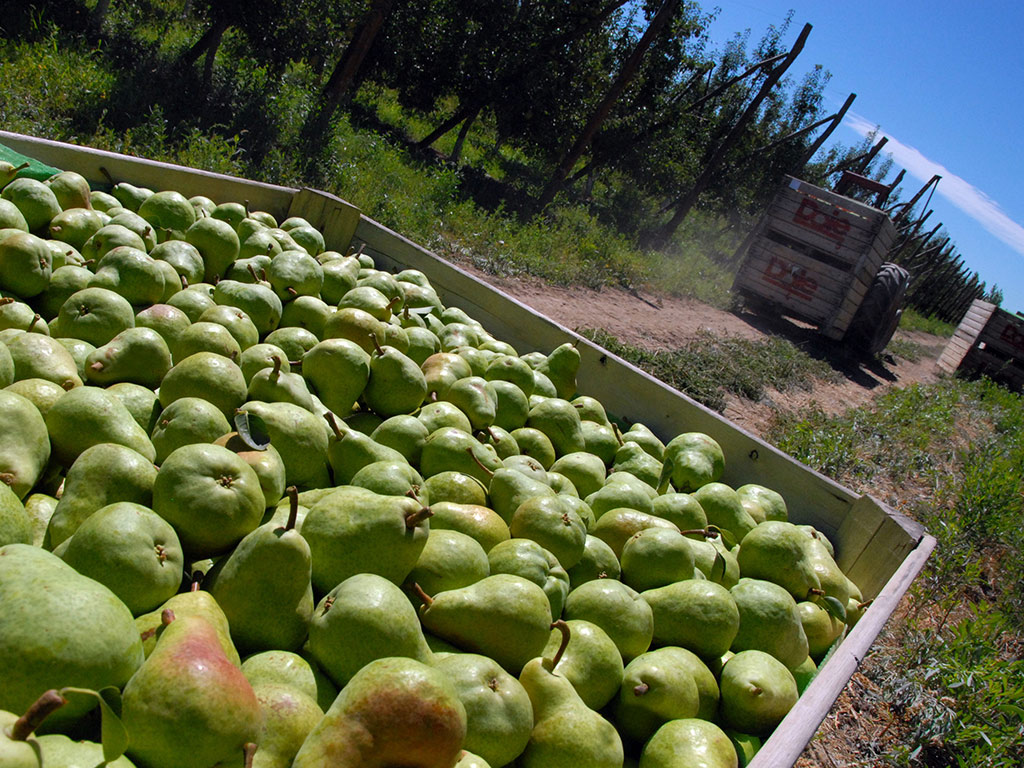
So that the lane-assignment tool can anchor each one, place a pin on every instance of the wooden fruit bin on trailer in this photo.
(881, 550)
(815, 254)
(989, 341)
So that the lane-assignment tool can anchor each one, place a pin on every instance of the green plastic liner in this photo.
(35, 170)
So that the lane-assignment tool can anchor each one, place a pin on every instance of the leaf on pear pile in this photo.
(113, 735)
(835, 608)
(718, 568)
(253, 430)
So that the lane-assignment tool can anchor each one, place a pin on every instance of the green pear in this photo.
(351, 450)
(590, 661)
(805, 673)
(598, 562)
(137, 355)
(642, 435)
(724, 509)
(88, 416)
(131, 273)
(820, 627)
(763, 503)
(695, 614)
(338, 370)
(769, 622)
(59, 628)
(534, 443)
(513, 370)
(618, 609)
(561, 366)
(550, 521)
(15, 525)
(36, 356)
(441, 413)
(188, 692)
(131, 550)
(365, 617)
(264, 586)
(356, 325)
(109, 237)
(307, 312)
(19, 747)
(696, 459)
(129, 195)
(396, 384)
(274, 385)
(196, 602)
(560, 421)
(11, 217)
(656, 687)
(449, 560)
(80, 351)
(39, 507)
(683, 510)
(565, 731)
(617, 526)
(775, 551)
(194, 300)
(340, 277)
(456, 487)
(65, 281)
(295, 273)
(25, 265)
(502, 616)
(186, 421)
(205, 336)
(475, 397)
(689, 741)
(210, 495)
(403, 432)
(288, 717)
(207, 375)
(449, 448)
(632, 458)
(499, 715)
(101, 475)
(167, 210)
(528, 559)
(656, 557)
(287, 669)
(757, 692)
(266, 463)
(218, 244)
(443, 369)
(18, 314)
(95, 315)
(74, 226)
(34, 199)
(142, 403)
(258, 301)
(619, 495)
(509, 488)
(354, 530)
(422, 724)
(42, 393)
(584, 469)
(476, 521)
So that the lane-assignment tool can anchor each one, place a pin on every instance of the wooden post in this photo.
(683, 206)
(836, 121)
(913, 201)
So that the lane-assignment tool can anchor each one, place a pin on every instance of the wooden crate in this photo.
(814, 254)
(988, 341)
(880, 549)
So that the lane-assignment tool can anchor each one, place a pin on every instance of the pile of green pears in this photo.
(265, 504)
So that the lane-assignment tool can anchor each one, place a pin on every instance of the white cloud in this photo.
(961, 193)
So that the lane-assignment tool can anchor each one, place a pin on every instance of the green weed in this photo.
(912, 320)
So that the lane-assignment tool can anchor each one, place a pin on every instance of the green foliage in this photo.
(708, 368)
(912, 320)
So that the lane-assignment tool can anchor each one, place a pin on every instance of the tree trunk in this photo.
(345, 72)
(686, 203)
(600, 114)
(463, 113)
(98, 16)
(457, 150)
(208, 44)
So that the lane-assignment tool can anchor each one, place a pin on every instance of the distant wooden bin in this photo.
(814, 254)
(988, 341)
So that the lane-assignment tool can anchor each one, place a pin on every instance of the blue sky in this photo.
(945, 82)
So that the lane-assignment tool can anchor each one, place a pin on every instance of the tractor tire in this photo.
(879, 313)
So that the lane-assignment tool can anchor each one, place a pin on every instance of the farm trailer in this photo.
(880, 549)
(989, 341)
(819, 256)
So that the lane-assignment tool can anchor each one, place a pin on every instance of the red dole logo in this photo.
(824, 222)
(791, 278)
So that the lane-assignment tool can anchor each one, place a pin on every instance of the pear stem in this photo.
(333, 422)
(5, 301)
(394, 303)
(376, 344)
(22, 167)
(291, 291)
(249, 750)
(475, 458)
(252, 271)
(562, 627)
(166, 616)
(415, 518)
(277, 366)
(815, 592)
(293, 512)
(641, 689)
(37, 712)
(618, 434)
(418, 590)
(35, 319)
(865, 604)
(184, 282)
(707, 533)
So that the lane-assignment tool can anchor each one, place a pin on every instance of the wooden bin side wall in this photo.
(989, 340)
(966, 334)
